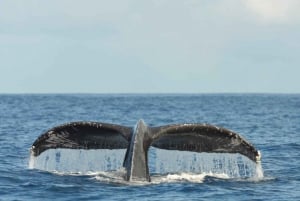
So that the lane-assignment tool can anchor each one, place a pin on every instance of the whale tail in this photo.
(138, 140)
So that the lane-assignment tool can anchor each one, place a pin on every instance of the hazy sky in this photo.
(127, 46)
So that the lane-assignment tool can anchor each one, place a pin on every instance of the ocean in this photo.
(271, 122)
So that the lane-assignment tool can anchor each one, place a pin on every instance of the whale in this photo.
(137, 140)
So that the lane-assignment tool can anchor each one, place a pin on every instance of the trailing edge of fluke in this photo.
(137, 141)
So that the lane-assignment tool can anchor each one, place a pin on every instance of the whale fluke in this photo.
(137, 141)
(202, 138)
(83, 135)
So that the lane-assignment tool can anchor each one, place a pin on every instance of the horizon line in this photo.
(147, 93)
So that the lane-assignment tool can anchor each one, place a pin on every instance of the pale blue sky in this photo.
(132, 46)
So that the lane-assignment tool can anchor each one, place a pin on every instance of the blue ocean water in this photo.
(271, 122)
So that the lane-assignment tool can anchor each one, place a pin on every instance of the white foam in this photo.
(118, 177)
(186, 177)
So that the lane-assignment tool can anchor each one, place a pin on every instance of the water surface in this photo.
(271, 122)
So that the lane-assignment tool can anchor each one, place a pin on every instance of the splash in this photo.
(232, 165)
(165, 166)
(78, 161)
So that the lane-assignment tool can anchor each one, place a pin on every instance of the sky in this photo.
(153, 46)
